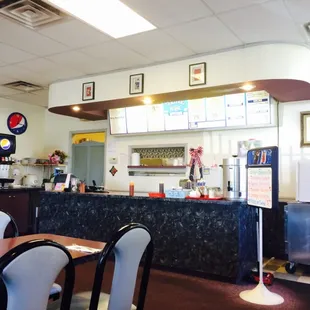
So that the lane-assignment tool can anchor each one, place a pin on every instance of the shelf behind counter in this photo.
(217, 238)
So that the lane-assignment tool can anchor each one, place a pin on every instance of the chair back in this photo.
(5, 220)
(128, 246)
(29, 271)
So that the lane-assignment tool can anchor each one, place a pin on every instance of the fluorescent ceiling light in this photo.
(110, 16)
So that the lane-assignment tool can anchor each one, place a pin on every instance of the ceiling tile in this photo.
(12, 55)
(115, 54)
(5, 91)
(32, 98)
(163, 13)
(28, 40)
(15, 72)
(204, 35)
(75, 34)
(299, 10)
(50, 70)
(276, 23)
(151, 45)
(219, 6)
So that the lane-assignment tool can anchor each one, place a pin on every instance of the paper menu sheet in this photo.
(118, 121)
(260, 187)
(155, 117)
(197, 110)
(258, 108)
(235, 110)
(176, 115)
(136, 119)
(215, 108)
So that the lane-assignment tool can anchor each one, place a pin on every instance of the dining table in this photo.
(81, 250)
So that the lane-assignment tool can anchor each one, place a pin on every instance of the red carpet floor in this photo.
(171, 291)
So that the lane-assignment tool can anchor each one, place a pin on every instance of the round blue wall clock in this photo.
(17, 123)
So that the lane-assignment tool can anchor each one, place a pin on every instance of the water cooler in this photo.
(234, 178)
(7, 148)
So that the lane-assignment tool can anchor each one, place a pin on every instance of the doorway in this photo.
(88, 157)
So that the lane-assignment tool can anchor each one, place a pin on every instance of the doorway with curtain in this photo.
(88, 157)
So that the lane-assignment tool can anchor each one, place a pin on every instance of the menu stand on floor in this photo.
(262, 192)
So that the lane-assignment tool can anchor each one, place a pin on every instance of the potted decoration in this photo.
(57, 157)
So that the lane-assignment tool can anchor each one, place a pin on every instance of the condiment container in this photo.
(131, 189)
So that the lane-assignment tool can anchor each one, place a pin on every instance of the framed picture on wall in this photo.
(198, 74)
(88, 91)
(136, 84)
(305, 129)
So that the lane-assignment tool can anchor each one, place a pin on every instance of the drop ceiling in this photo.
(70, 49)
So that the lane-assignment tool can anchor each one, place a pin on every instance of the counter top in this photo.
(144, 196)
(21, 189)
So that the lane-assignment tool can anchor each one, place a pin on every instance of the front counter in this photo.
(211, 237)
(21, 203)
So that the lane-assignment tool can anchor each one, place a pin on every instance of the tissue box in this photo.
(172, 193)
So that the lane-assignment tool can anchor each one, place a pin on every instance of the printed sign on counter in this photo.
(136, 119)
(155, 117)
(118, 121)
(260, 187)
(258, 108)
(176, 115)
(235, 110)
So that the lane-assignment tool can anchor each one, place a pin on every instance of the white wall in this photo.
(289, 140)
(273, 61)
(31, 143)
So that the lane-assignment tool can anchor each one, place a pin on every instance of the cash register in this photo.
(66, 182)
(7, 148)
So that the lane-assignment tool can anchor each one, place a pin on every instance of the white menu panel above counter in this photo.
(241, 110)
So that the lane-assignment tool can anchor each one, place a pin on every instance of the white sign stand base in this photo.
(260, 295)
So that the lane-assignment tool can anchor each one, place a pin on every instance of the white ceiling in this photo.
(185, 28)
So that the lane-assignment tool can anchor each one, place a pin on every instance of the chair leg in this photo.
(55, 296)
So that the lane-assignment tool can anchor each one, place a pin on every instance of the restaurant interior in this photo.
(154, 154)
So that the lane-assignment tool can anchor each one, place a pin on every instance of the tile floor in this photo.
(277, 268)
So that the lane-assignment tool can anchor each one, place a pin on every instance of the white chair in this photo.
(128, 246)
(5, 220)
(29, 271)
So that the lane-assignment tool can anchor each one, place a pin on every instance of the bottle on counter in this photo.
(161, 187)
(82, 187)
(131, 189)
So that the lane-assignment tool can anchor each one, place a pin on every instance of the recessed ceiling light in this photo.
(110, 16)
(247, 87)
(76, 108)
(147, 100)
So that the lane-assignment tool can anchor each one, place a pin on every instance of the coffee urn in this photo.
(234, 178)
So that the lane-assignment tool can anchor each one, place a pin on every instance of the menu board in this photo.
(260, 187)
(155, 117)
(258, 108)
(136, 119)
(235, 110)
(176, 115)
(118, 123)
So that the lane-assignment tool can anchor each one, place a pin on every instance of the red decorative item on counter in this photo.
(157, 195)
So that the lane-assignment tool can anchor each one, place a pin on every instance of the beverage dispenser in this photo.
(234, 178)
(7, 148)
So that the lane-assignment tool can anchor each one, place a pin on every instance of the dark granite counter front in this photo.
(213, 237)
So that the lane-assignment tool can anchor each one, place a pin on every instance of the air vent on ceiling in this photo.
(30, 13)
(23, 86)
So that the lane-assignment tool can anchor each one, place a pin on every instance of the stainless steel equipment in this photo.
(297, 235)
(234, 178)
